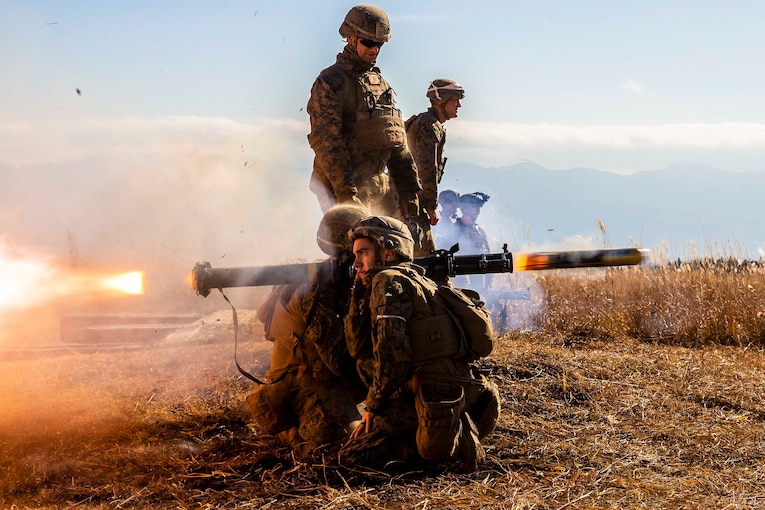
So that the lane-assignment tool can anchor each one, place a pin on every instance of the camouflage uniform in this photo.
(312, 398)
(312, 402)
(356, 131)
(427, 403)
(472, 238)
(446, 232)
(426, 137)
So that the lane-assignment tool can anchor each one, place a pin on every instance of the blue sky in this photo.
(203, 103)
(588, 81)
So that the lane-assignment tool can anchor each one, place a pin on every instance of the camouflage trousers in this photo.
(442, 424)
(306, 414)
(375, 191)
(390, 444)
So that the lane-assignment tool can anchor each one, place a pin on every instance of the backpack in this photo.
(471, 317)
(469, 314)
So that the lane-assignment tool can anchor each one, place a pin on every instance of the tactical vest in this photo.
(412, 126)
(432, 334)
(377, 124)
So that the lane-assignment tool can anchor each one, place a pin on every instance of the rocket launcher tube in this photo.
(439, 266)
(204, 277)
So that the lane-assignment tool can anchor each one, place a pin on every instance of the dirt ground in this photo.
(608, 423)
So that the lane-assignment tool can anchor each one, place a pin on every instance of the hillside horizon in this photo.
(679, 209)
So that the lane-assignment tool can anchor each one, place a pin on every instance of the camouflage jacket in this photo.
(426, 137)
(472, 239)
(384, 330)
(340, 95)
(317, 349)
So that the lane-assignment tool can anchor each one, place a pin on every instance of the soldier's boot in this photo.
(471, 452)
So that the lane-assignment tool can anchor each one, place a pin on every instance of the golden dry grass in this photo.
(640, 388)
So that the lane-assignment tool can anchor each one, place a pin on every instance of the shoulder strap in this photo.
(298, 341)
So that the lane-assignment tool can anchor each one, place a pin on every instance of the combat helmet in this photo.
(332, 235)
(476, 198)
(367, 22)
(389, 233)
(448, 195)
(443, 89)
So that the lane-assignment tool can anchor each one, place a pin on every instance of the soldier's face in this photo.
(364, 250)
(450, 108)
(469, 213)
(366, 53)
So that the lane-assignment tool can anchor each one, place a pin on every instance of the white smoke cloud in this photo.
(160, 194)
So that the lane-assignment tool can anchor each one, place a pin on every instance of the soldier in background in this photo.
(356, 129)
(472, 236)
(423, 401)
(426, 136)
(311, 399)
(472, 239)
(445, 232)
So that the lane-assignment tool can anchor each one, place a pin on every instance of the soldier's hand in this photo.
(364, 426)
(410, 208)
(433, 216)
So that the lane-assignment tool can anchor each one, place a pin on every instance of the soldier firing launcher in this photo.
(439, 266)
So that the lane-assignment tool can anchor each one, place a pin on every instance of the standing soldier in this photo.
(472, 236)
(310, 401)
(356, 129)
(424, 400)
(426, 136)
(445, 232)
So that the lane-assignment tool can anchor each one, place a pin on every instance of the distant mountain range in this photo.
(683, 210)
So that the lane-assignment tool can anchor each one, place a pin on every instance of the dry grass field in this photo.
(635, 388)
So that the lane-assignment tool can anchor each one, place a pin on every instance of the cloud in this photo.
(633, 86)
(619, 148)
(721, 135)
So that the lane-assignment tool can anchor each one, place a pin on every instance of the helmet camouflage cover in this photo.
(443, 89)
(389, 233)
(332, 235)
(367, 22)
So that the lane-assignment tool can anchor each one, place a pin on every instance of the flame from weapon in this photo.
(129, 283)
(29, 280)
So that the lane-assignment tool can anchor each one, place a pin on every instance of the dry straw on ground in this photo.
(639, 388)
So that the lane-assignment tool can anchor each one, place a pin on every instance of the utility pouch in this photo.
(433, 337)
(380, 129)
(439, 407)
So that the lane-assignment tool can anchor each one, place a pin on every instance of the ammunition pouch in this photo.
(439, 407)
(433, 337)
(379, 129)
